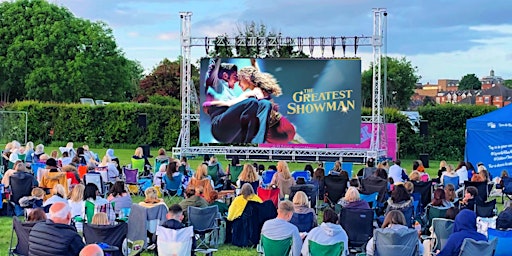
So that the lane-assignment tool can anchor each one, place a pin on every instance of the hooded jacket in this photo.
(464, 227)
(326, 234)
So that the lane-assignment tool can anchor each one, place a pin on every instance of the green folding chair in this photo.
(234, 172)
(270, 247)
(316, 249)
(89, 211)
(213, 172)
(138, 164)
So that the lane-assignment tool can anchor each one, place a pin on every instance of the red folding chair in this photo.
(269, 194)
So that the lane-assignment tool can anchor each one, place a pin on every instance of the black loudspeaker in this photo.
(142, 120)
(146, 150)
(424, 127)
(424, 159)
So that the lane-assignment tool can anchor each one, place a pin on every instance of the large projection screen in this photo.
(280, 101)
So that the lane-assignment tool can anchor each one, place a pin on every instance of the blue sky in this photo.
(443, 38)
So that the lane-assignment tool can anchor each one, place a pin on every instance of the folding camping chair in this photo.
(96, 179)
(317, 249)
(395, 242)
(335, 187)
(303, 221)
(504, 238)
(507, 188)
(304, 174)
(266, 177)
(471, 247)
(358, 223)
(205, 223)
(132, 180)
(270, 247)
(234, 172)
(113, 235)
(22, 230)
(174, 241)
(269, 194)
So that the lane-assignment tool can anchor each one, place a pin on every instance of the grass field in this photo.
(124, 156)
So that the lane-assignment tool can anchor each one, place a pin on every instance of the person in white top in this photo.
(328, 233)
(462, 172)
(395, 171)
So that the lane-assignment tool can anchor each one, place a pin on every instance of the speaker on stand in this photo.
(142, 120)
(424, 157)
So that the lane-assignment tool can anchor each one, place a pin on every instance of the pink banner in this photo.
(366, 128)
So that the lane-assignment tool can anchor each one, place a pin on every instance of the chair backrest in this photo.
(20, 187)
(82, 170)
(254, 184)
(358, 223)
(35, 168)
(138, 164)
(276, 247)
(89, 210)
(486, 209)
(425, 190)
(269, 194)
(130, 175)
(316, 249)
(504, 238)
(371, 185)
(309, 189)
(482, 188)
(451, 180)
(303, 221)
(328, 166)
(435, 212)
(22, 230)
(347, 166)
(174, 183)
(472, 247)
(395, 242)
(96, 179)
(371, 199)
(203, 219)
(335, 187)
(174, 241)
(213, 172)
(267, 176)
(507, 185)
(304, 174)
(409, 215)
(159, 162)
(442, 228)
(110, 234)
(234, 172)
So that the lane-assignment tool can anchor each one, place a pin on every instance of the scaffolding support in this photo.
(378, 144)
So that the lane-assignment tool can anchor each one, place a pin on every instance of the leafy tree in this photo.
(253, 29)
(401, 81)
(470, 82)
(48, 54)
(165, 80)
(508, 83)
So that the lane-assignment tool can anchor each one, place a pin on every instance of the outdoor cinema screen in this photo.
(280, 101)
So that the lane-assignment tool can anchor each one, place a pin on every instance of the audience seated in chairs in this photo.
(34, 201)
(213, 199)
(161, 158)
(471, 199)
(77, 204)
(328, 234)
(159, 175)
(238, 205)
(395, 220)
(465, 227)
(191, 199)
(301, 206)
(91, 195)
(353, 200)
(53, 177)
(283, 179)
(248, 175)
(119, 196)
(166, 243)
(112, 171)
(173, 180)
(451, 194)
(140, 162)
(58, 195)
(201, 180)
(151, 199)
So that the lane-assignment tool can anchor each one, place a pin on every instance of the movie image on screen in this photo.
(280, 101)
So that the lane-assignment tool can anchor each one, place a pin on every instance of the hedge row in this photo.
(102, 125)
(117, 124)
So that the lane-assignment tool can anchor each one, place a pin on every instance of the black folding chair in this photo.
(112, 235)
(22, 230)
(482, 187)
(486, 209)
(335, 187)
(506, 190)
(358, 223)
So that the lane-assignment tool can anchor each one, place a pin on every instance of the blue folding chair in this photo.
(348, 168)
(451, 180)
(504, 240)
(371, 199)
(266, 177)
(304, 174)
(417, 203)
(328, 166)
(35, 167)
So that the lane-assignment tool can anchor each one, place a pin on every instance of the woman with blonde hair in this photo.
(151, 199)
(353, 200)
(238, 205)
(201, 181)
(59, 195)
(415, 176)
(283, 179)
(248, 175)
(442, 168)
(100, 218)
(301, 206)
(450, 172)
(112, 172)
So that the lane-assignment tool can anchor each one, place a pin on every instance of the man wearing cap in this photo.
(55, 236)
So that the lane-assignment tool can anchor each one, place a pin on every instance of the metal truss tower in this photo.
(378, 139)
(378, 143)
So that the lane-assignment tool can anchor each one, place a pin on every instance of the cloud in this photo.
(133, 34)
(168, 36)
